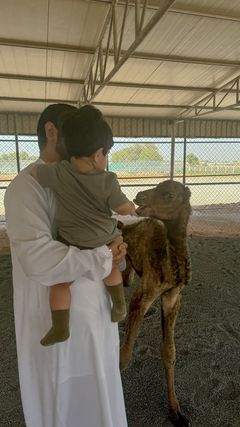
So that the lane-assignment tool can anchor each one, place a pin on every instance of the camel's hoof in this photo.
(181, 420)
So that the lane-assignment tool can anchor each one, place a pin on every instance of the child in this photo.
(86, 194)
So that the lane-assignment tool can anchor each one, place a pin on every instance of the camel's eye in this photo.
(168, 196)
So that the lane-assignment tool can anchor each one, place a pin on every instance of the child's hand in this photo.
(119, 249)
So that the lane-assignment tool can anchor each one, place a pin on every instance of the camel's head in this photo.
(165, 201)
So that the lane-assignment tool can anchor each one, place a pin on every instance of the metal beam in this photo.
(112, 104)
(26, 44)
(65, 80)
(168, 87)
(215, 100)
(186, 60)
(159, 86)
(44, 100)
(136, 55)
(89, 91)
(206, 14)
(26, 77)
(136, 105)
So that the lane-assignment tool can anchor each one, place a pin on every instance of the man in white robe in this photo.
(76, 383)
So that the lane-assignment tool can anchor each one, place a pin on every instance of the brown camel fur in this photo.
(158, 252)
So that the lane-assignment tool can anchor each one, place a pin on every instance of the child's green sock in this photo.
(119, 309)
(60, 328)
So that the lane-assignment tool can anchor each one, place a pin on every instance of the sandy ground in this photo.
(207, 341)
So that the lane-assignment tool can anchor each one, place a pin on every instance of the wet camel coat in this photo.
(76, 383)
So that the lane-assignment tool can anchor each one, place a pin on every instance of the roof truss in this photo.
(99, 64)
(101, 73)
(214, 101)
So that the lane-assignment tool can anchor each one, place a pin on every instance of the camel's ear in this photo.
(187, 194)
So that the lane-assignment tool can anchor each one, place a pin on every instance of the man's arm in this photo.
(43, 259)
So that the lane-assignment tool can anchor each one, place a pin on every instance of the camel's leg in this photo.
(128, 274)
(170, 307)
(139, 305)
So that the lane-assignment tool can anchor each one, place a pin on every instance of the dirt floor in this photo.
(207, 335)
(207, 340)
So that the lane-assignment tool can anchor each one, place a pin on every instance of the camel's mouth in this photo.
(140, 209)
(143, 208)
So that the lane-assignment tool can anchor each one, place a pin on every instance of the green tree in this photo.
(24, 155)
(126, 154)
(192, 159)
(137, 152)
(8, 156)
(150, 152)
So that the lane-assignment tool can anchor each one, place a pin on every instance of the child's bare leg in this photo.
(114, 286)
(60, 300)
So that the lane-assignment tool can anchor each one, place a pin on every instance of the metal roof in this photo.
(167, 59)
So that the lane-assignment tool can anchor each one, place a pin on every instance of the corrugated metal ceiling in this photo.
(47, 49)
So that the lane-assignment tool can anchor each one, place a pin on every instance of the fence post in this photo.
(17, 153)
(172, 150)
(184, 150)
(16, 144)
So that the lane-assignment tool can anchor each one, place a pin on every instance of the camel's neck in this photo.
(174, 231)
(177, 232)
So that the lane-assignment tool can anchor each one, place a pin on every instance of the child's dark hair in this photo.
(85, 131)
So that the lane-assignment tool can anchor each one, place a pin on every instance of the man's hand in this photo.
(119, 249)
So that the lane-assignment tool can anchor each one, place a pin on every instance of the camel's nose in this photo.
(141, 197)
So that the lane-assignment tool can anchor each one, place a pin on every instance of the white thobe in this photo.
(76, 383)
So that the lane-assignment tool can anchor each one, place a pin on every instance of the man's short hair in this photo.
(85, 131)
(52, 113)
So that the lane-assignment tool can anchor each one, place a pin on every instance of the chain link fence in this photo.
(210, 167)
(16, 152)
(140, 163)
(212, 172)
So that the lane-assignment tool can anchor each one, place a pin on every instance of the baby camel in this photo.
(158, 252)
